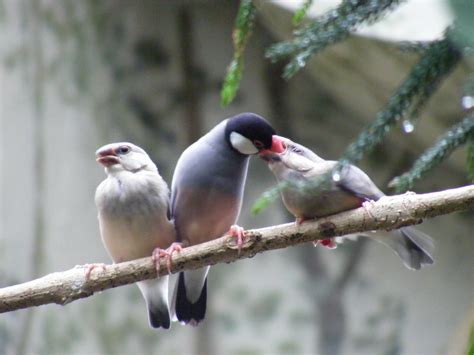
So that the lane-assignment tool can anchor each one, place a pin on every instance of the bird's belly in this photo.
(314, 205)
(132, 238)
(205, 215)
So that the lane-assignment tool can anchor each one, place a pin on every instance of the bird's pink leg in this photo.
(328, 243)
(167, 253)
(90, 267)
(299, 220)
(237, 232)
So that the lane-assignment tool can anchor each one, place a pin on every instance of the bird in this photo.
(206, 197)
(133, 204)
(306, 198)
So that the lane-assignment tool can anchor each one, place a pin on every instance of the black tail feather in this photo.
(186, 311)
(159, 317)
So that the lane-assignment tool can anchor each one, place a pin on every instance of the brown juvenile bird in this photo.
(349, 189)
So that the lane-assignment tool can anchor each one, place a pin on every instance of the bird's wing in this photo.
(355, 181)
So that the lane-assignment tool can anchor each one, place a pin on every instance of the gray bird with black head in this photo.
(133, 202)
(301, 167)
(206, 197)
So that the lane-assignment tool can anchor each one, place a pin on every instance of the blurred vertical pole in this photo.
(277, 92)
(32, 11)
(193, 130)
(192, 119)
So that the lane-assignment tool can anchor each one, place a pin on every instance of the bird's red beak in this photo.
(107, 157)
(277, 147)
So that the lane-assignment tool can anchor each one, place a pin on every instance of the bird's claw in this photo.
(328, 243)
(237, 232)
(299, 220)
(88, 268)
(167, 253)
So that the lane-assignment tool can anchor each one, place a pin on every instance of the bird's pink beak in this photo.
(277, 147)
(107, 157)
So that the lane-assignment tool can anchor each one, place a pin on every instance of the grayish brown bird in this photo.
(351, 188)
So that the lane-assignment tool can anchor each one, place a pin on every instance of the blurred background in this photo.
(79, 74)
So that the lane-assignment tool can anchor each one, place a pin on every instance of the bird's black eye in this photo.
(258, 144)
(296, 150)
(123, 149)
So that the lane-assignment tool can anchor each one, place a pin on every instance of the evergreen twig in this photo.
(444, 146)
(300, 14)
(470, 159)
(243, 28)
(332, 27)
(436, 62)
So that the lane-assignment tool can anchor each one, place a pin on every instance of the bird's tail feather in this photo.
(414, 247)
(190, 297)
(159, 317)
(420, 247)
(155, 292)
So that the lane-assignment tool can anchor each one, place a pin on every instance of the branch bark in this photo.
(390, 212)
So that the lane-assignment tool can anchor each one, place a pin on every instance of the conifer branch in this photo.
(332, 27)
(244, 24)
(444, 146)
(388, 213)
(434, 65)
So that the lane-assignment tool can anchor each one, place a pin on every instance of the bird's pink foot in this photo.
(237, 232)
(167, 253)
(299, 220)
(90, 267)
(328, 243)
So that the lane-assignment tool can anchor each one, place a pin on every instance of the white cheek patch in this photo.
(242, 144)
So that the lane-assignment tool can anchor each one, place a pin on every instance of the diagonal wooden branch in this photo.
(390, 212)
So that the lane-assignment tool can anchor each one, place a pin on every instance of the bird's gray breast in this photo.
(129, 197)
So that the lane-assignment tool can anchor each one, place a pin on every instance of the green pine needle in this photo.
(470, 159)
(434, 65)
(243, 28)
(470, 344)
(268, 197)
(300, 14)
(444, 146)
(271, 195)
(332, 27)
(232, 81)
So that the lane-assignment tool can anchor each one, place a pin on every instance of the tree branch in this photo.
(389, 212)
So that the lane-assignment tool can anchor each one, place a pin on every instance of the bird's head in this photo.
(124, 156)
(248, 134)
(290, 152)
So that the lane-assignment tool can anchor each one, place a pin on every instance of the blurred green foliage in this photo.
(470, 160)
(441, 150)
(242, 31)
(330, 28)
(300, 14)
(470, 345)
